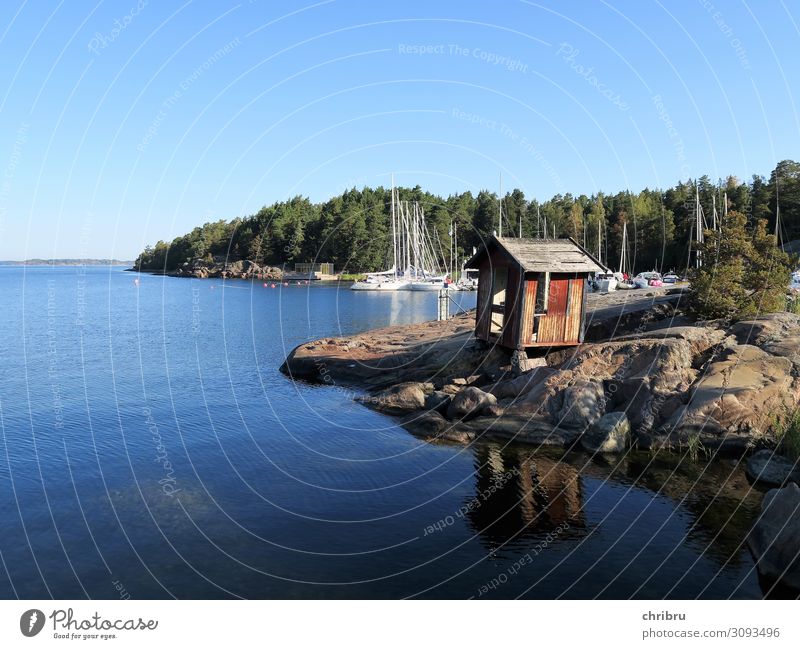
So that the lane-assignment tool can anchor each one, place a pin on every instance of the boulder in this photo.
(535, 430)
(775, 537)
(437, 401)
(543, 398)
(771, 469)
(398, 399)
(431, 426)
(522, 384)
(640, 373)
(469, 402)
(666, 362)
(584, 403)
(735, 401)
(609, 435)
(494, 410)
(452, 388)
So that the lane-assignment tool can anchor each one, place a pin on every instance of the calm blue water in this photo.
(149, 440)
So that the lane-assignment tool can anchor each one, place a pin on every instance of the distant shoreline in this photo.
(67, 262)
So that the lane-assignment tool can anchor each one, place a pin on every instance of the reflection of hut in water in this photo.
(521, 494)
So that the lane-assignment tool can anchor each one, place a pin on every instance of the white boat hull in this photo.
(388, 285)
(430, 286)
(606, 285)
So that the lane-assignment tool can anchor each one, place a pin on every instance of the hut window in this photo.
(542, 292)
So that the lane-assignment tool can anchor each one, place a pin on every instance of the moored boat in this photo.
(429, 284)
(379, 282)
(606, 282)
(648, 278)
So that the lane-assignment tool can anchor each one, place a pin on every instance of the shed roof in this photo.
(543, 255)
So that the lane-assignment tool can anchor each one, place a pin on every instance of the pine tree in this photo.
(743, 273)
(768, 274)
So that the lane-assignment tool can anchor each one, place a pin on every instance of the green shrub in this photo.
(787, 430)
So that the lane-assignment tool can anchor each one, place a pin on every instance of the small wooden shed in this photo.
(532, 292)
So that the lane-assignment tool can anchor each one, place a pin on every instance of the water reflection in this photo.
(523, 494)
(716, 495)
(520, 494)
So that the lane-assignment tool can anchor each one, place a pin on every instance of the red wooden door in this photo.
(551, 329)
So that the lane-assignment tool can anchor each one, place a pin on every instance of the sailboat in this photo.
(606, 282)
(388, 280)
(425, 274)
(625, 266)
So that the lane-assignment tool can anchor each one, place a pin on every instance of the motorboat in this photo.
(605, 282)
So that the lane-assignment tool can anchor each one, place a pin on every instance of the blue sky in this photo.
(132, 121)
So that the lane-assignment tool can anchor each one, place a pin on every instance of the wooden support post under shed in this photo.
(532, 292)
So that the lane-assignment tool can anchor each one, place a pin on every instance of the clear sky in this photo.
(132, 121)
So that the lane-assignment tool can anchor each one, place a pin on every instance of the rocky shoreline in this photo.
(657, 382)
(231, 270)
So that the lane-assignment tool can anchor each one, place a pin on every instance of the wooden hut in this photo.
(532, 292)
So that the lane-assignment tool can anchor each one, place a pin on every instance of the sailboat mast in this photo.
(500, 207)
(455, 249)
(698, 225)
(778, 238)
(714, 212)
(599, 241)
(394, 233)
(450, 259)
(538, 223)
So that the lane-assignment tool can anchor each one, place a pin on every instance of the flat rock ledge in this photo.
(666, 384)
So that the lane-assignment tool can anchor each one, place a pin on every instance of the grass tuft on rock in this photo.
(787, 430)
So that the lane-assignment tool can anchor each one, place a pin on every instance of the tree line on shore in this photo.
(353, 230)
